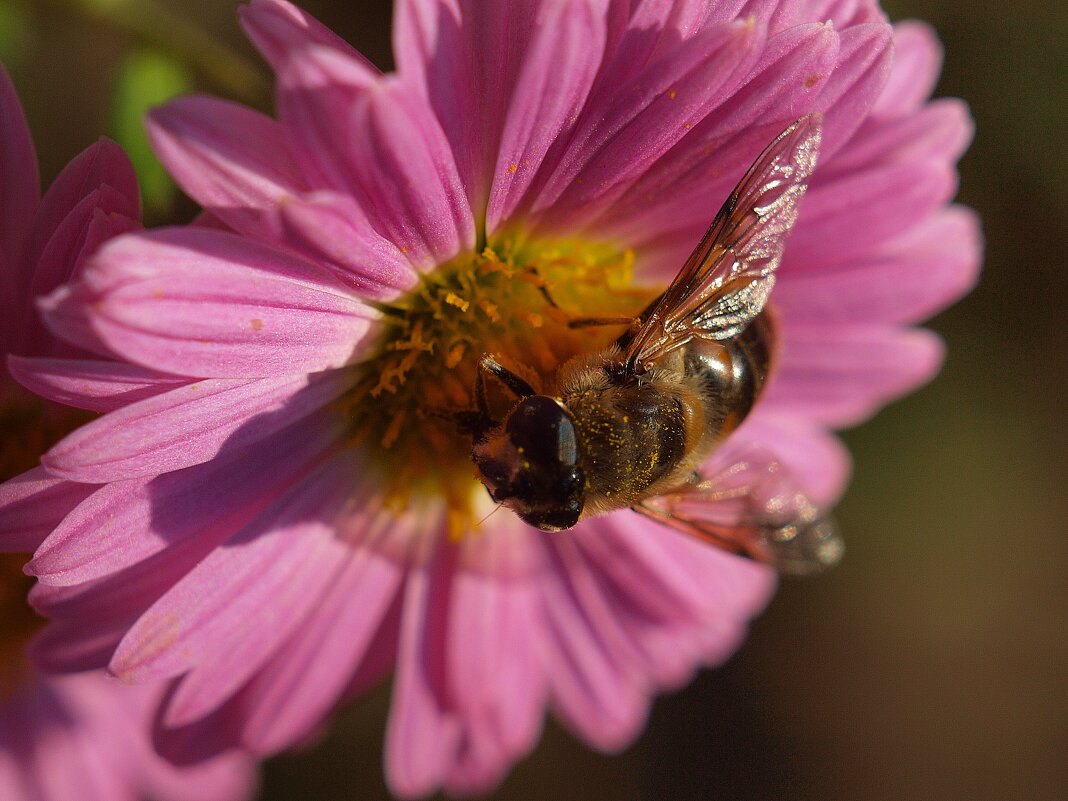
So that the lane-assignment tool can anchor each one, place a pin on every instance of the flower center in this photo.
(517, 305)
(18, 622)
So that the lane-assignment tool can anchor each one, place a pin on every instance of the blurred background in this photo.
(932, 663)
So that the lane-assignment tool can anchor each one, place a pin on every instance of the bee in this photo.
(629, 426)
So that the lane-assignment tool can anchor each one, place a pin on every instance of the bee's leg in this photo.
(590, 322)
(478, 421)
(519, 387)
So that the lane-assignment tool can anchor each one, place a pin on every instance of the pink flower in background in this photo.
(293, 519)
(81, 737)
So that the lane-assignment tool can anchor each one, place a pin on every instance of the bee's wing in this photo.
(726, 280)
(753, 508)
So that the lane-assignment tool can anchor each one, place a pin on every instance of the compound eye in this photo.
(543, 429)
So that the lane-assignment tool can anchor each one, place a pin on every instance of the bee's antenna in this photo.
(490, 514)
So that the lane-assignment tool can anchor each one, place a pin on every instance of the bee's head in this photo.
(531, 464)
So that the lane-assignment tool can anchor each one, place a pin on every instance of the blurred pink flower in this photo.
(83, 737)
(285, 525)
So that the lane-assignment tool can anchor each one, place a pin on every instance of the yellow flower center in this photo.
(516, 304)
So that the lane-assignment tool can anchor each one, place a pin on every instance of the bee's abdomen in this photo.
(731, 374)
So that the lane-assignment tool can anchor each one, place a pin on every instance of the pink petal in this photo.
(282, 32)
(326, 228)
(840, 374)
(567, 41)
(905, 280)
(204, 143)
(308, 676)
(670, 588)
(216, 733)
(316, 94)
(464, 57)
(128, 522)
(818, 459)
(90, 619)
(843, 13)
(864, 61)
(678, 193)
(846, 217)
(398, 164)
(66, 762)
(102, 164)
(940, 131)
(205, 303)
(188, 425)
(423, 731)
(624, 135)
(33, 504)
(75, 646)
(230, 776)
(494, 671)
(917, 65)
(273, 570)
(19, 182)
(594, 671)
(64, 252)
(97, 385)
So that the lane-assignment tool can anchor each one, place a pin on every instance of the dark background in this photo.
(931, 663)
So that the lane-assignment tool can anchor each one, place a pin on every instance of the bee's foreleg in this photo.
(517, 385)
(590, 322)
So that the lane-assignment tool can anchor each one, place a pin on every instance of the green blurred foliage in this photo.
(15, 33)
(147, 78)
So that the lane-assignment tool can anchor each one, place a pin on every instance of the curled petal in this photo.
(102, 164)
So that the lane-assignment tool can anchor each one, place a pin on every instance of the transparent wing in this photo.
(754, 508)
(726, 280)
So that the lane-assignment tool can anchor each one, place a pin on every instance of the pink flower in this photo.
(294, 519)
(83, 737)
